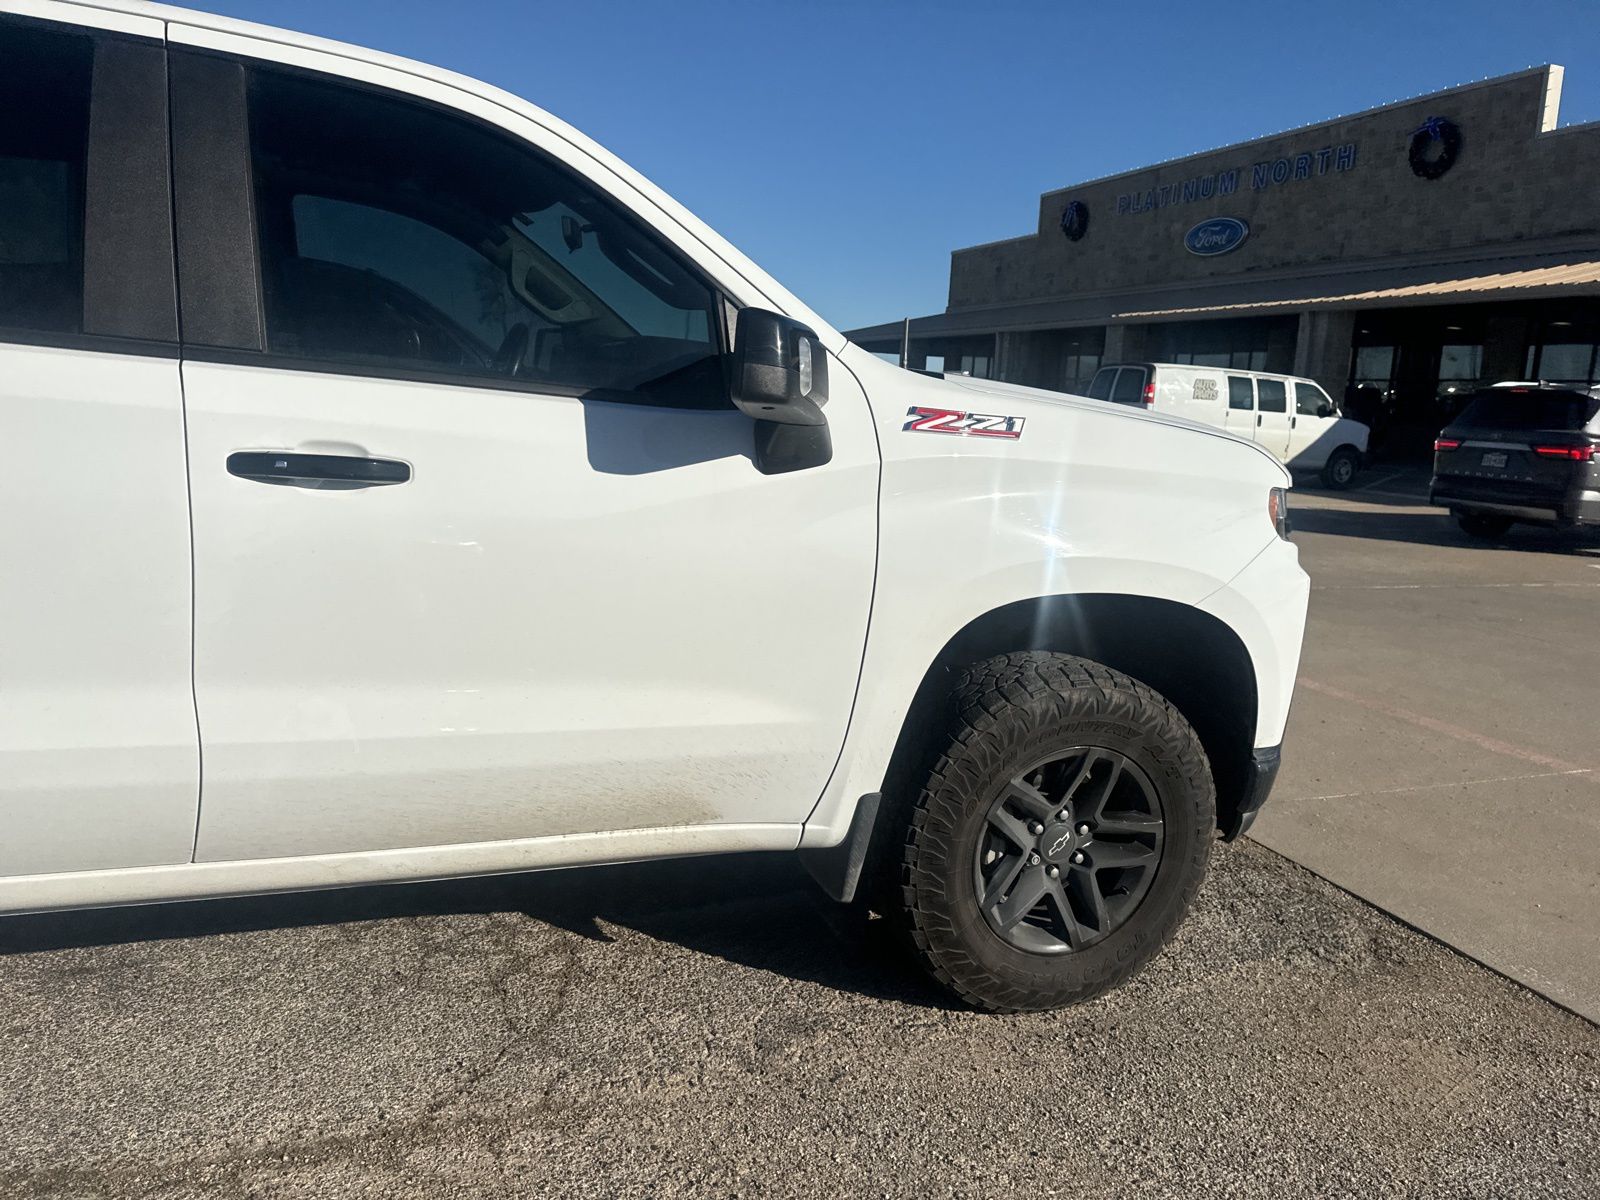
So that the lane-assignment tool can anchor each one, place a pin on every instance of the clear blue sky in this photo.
(849, 145)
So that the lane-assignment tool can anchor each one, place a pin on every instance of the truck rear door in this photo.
(1272, 416)
(99, 755)
(1241, 415)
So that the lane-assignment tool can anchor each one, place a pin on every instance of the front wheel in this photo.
(1060, 838)
(1339, 472)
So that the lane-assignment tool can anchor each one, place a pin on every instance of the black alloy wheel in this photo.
(1069, 850)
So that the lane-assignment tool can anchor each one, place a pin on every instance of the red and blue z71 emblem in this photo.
(968, 424)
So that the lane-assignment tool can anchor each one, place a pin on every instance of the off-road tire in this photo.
(1341, 469)
(1011, 711)
(1485, 526)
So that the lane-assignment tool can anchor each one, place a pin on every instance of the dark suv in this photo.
(1521, 452)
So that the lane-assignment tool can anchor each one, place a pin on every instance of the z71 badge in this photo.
(969, 424)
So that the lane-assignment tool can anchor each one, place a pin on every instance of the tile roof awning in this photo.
(1377, 285)
(1564, 275)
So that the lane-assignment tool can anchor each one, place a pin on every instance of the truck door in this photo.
(1311, 426)
(1272, 416)
(481, 549)
(1241, 415)
(99, 756)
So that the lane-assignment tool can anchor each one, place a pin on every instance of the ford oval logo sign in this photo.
(1216, 236)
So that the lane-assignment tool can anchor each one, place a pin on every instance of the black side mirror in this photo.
(780, 377)
(1324, 409)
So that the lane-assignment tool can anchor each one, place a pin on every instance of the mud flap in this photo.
(837, 869)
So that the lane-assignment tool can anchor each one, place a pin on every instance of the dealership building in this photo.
(1416, 250)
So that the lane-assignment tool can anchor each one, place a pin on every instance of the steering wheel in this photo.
(508, 360)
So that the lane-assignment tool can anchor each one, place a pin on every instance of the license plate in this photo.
(1494, 460)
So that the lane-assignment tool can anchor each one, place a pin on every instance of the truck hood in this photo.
(1014, 393)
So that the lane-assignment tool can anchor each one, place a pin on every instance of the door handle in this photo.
(1258, 418)
(338, 470)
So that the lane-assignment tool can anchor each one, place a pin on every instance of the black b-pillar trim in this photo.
(219, 277)
(128, 288)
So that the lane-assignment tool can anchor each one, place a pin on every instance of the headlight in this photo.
(1278, 511)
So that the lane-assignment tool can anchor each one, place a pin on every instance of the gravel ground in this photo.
(714, 1028)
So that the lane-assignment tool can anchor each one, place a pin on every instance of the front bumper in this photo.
(1265, 606)
(1264, 762)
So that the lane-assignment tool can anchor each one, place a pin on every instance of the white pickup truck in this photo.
(399, 486)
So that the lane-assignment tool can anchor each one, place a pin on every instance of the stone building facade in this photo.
(1415, 249)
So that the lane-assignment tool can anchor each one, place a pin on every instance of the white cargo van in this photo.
(1293, 418)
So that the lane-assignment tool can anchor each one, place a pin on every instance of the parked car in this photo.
(400, 486)
(1292, 418)
(1521, 452)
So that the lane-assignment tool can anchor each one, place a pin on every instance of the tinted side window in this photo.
(404, 238)
(1130, 387)
(1240, 393)
(1310, 400)
(1272, 395)
(1100, 388)
(44, 144)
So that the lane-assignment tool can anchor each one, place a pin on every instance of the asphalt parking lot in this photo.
(714, 1028)
(1443, 754)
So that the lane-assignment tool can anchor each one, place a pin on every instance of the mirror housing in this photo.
(780, 369)
(780, 377)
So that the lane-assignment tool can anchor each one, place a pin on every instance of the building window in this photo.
(1249, 344)
(1460, 368)
(1374, 368)
(1077, 370)
(1564, 354)
(1243, 359)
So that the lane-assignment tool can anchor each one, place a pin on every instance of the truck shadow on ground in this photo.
(1435, 527)
(757, 910)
